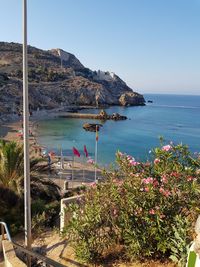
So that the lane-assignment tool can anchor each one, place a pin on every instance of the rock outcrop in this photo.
(92, 127)
(57, 78)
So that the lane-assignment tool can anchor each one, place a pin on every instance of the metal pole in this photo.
(27, 198)
(95, 170)
(73, 171)
(83, 169)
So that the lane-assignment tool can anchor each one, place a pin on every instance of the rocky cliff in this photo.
(57, 78)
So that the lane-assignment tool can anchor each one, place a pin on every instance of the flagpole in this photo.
(83, 168)
(96, 141)
(27, 197)
(73, 172)
(61, 159)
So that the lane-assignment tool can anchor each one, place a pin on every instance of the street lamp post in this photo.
(27, 198)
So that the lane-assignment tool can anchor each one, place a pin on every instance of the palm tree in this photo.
(12, 165)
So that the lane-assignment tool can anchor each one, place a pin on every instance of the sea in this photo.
(176, 118)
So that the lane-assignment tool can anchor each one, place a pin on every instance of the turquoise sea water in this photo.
(175, 117)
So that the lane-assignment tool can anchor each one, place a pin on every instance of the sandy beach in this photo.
(75, 173)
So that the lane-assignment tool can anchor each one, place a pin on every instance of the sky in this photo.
(153, 45)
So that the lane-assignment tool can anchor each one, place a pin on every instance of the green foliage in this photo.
(44, 74)
(141, 209)
(45, 194)
(11, 165)
(180, 240)
(44, 215)
(10, 204)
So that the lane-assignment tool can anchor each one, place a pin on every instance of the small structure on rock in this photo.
(103, 114)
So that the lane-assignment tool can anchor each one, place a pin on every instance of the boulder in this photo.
(118, 117)
(131, 99)
(91, 127)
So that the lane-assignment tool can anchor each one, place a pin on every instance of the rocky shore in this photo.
(101, 116)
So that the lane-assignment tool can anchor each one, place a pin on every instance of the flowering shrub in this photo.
(141, 209)
(90, 160)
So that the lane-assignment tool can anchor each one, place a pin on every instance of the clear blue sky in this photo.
(154, 45)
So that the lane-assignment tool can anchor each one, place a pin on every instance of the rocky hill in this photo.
(57, 78)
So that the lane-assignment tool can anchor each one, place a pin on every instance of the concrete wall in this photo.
(64, 217)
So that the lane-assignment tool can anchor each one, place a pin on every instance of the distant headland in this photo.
(57, 78)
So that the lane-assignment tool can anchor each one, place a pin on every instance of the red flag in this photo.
(85, 150)
(76, 152)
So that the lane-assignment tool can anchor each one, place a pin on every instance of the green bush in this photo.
(44, 215)
(141, 210)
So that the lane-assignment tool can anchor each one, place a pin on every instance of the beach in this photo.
(75, 173)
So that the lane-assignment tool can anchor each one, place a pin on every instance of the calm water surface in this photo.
(175, 117)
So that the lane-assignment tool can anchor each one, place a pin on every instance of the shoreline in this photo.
(83, 172)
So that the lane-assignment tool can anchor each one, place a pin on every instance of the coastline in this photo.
(83, 172)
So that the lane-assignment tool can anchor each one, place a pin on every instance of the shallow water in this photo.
(175, 117)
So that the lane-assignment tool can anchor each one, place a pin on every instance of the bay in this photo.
(175, 117)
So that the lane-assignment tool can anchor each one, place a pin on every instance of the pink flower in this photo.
(148, 180)
(152, 211)
(166, 148)
(146, 189)
(162, 216)
(167, 193)
(134, 163)
(155, 183)
(175, 174)
(93, 184)
(161, 190)
(90, 161)
(156, 161)
(164, 179)
(190, 178)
